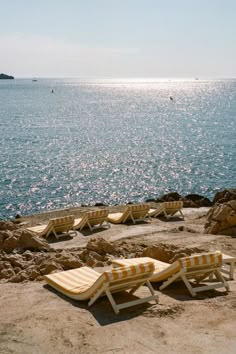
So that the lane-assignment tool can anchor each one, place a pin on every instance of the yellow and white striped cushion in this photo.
(97, 214)
(82, 283)
(129, 270)
(58, 224)
(174, 205)
(93, 217)
(211, 258)
(164, 270)
(138, 207)
(62, 221)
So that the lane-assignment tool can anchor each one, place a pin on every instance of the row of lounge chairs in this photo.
(101, 218)
(130, 274)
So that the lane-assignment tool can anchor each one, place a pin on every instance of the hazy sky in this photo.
(118, 38)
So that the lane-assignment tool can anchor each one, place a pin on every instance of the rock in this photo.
(6, 77)
(68, 261)
(169, 197)
(100, 204)
(33, 274)
(5, 265)
(96, 255)
(90, 261)
(48, 267)
(8, 225)
(199, 200)
(100, 246)
(224, 196)
(221, 219)
(161, 252)
(187, 203)
(99, 264)
(10, 243)
(6, 273)
(15, 260)
(168, 253)
(28, 240)
(28, 255)
(12, 237)
(17, 278)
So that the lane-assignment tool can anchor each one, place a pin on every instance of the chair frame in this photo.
(108, 289)
(102, 223)
(162, 210)
(198, 273)
(185, 275)
(130, 215)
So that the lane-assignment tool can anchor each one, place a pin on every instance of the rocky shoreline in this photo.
(26, 256)
(35, 318)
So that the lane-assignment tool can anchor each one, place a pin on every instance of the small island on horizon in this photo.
(6, 77)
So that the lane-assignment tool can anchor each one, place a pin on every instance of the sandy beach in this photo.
(37, 319)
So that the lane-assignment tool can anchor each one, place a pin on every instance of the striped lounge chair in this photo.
(134, 213)
(87, 284)
(56, 226)
(196, 267)
(93, 220)
(167, 209)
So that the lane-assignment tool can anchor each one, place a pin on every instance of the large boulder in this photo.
(224, 196)
(221, 219)
(168, 253)
(12, 237)
(8, 225)
(169, 197)
(198, 200)
(100, 246)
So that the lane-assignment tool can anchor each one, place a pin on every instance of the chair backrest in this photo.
(124, 278)
(176, 205)
(96, 217)
(201, 261)
(62, 224)
(137, 210)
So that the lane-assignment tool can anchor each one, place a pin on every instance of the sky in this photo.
(118, 38)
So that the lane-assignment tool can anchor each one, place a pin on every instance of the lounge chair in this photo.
(93, 220)
(87, 284)
(134, 213)
(56, 226)
(167, 209)
(196, 267)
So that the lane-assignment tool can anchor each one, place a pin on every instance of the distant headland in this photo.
(6, 77)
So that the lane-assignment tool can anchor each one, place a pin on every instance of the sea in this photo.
(73, 142)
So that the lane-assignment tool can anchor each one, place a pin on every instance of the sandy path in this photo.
(36, 320)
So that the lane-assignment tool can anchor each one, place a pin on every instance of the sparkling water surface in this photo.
(113, 141)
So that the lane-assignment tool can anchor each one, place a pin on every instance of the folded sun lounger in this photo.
(55, 226)
(135, 212)
(93, 220)
(196, 267)
(167, 209)
(87, 284)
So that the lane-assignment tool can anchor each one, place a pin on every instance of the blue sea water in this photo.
(113, 141)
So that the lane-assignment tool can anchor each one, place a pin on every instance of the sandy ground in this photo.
(35, 319)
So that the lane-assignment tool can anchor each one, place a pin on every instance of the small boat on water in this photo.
(34, 80)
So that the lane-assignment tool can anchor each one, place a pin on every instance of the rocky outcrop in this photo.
(196, 200)
(189, 201)
(168, 253)
(224, 196)
(221, 219)
(21, 239)
(6, 77)
(169, 197)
